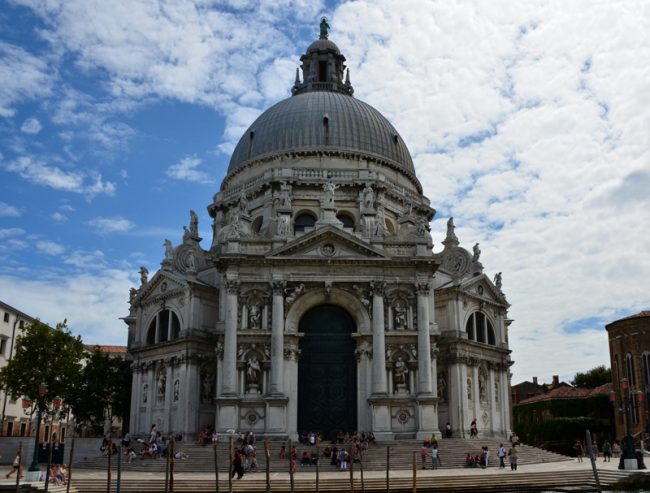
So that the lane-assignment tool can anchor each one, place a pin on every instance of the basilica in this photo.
(318, 303)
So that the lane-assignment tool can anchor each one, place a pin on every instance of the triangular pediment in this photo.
(329, 243)
(162, 284)
(482, 287)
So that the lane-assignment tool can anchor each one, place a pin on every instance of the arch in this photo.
(164, 326)
(645, 364)
(390, 226)
(304, 220)
(346, 218)
(257, 224)
(479, 328)
(337, 297)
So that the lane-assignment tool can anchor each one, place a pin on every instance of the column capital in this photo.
(232, 286)
(378, 287)
(278, 287)
(422, 288)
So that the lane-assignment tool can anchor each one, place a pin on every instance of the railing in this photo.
(400, 250)
(255, 248)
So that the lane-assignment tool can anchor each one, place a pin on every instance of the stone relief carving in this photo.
(359, 293)
(232, 286)
(191, 259)
(278, 287)
(450, 229)
(400, 317)
(132, 294)
(292, 295)
(328, 288)
(423, 226)
(380, 222)
(145, 391)
(292, 354)
(219, 350)
(235, 221)
(496, 392)
(378, 287)
(169, 249)
(329, 188)
(485, 418)
(144, 275)
(282, 224)
(469, 389)
(368, 197)
(243, 204)
(367, 226)
(177, 388)
(423, 288)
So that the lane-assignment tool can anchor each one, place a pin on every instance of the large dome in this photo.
(322, 120)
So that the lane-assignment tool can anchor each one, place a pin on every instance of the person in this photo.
(578, 448)
(319, 437)
(512, 454)
(469, 460)
(180, 455)
(238, 464)
(130, 455)
(424, 454)
(343, 459)
(434, 458)
(356, 456)
(346, 438)
(514, 439)
(313, 458)
(335, 456)
(448, 431)
(201, 436)
(473, 432)
(487, 456)
(311, 437)
(482, 458)
(59, 474)
(294, 453)
(502, 454)
(126, 441)
(364, 447)
(16, 466)
(305, 460)
(253, 458)
(594, 450)
(303, 438)
(371, 437)
(283, 452)
(616, 449)
(340, 438)
(180, 437)
(327, 452)
(159, 444)
(153, 432)
(433, 441)
(215, 438)
(607, 452)
(104, 447)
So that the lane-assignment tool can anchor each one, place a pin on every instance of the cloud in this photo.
(186, 170)
(23, 77)
(86, 260)
(106, 226)
(66, 207)
(6, 233)
(58, 217)
(31, 126)
(49, 247)
(39, 171)
(7, 210)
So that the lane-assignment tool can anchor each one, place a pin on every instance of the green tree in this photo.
(103, 391)
(593, 378)
(43, 354)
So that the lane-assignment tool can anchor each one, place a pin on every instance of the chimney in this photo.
(535, 380)
(556, 380)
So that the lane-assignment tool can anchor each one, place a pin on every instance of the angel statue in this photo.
(168, 249)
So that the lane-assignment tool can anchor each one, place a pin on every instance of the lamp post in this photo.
(29, 408)
(624, 407)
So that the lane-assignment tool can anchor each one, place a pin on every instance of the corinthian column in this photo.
(230, 340)
(424, 340)
(277, 338)
(378, 342)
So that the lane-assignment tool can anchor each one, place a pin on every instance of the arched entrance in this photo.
(327, 376)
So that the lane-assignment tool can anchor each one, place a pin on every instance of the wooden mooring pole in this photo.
(593, 461)
(216, 469)
(230, 469)
(415, 472)
(268, 466)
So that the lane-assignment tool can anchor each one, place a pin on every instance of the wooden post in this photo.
(593, 461)
(230, 469)
(110, 457)
(171, 466)
(291, 464)
(119, 468)
(67, 488)
(363, 486)
(351, 457)
(268, 466)
(317, 466)
(415, 472)
(49, 465)
(216, 469)
(387, 468)
(167, 473)
(20, 466)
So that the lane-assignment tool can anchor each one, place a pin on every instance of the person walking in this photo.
(424, 454)
(448, 431)
(16, 466)
(343, 457)
(607, 452)
(578, 448)
(512, 454)
(502, 455)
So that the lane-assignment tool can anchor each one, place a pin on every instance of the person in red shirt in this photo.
(424, 452)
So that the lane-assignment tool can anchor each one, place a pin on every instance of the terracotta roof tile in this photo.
(643, 314)
(568, 392)
(603, 389)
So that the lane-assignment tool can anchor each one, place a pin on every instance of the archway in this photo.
(327, 376)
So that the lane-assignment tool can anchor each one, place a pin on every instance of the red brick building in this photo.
(629, 352)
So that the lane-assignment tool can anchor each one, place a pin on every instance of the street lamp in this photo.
(624, 407)
(40, 407)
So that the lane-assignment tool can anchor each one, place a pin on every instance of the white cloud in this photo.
(186, 170)
(66, 207)
(60, 218)
(86, 260)
(31, 126)
(124, 174)
(7, 210)
(40, 172)
(6, 233)
(106, 226)
(49, 247)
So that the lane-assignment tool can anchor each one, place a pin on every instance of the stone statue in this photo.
(362, 298)
(423, 226)
(292, 295)
(399, 375)
(194, 223)
(368, 197)
(380, 222)
(191, 259)
(145, 391)
(144, 275)
(324, 26)
(162, 387)
(252, 371)
(477, 253)
(400, 317)
(243, 204)
(207, 381)
(482, 391)
(169, 249)
(285, 194)
(497, 281)
(442, 388)
(450, 229)
(132, 294)
(469, 389)
(408, 207)
(280, 225)
(329, 189)
(234, 225)
(177, 389)
(254, 316)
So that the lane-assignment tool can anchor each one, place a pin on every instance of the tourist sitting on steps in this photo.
(283, 452)
(371, 436)
(335, 454)
(305, 460)
(340, 438)
(314, 458)
(327, 452)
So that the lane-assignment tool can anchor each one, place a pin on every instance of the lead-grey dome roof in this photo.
(298, 123)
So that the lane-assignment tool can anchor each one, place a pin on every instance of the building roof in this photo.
(20, 314)
(642, 314)
(568, 392)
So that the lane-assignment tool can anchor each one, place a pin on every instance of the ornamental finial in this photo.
(324, 26)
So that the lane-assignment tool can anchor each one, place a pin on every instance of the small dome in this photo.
(323, 44)
(298, 123)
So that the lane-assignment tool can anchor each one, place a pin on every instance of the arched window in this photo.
(304, 221)
(645, 362)
(631, 378)
(347, 221)
(164, 327)
(480, 329)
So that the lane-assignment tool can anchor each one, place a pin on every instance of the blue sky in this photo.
(527, 122)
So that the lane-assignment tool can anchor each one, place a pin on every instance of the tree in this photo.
(43, 354)
(593, 378)
(103, 391)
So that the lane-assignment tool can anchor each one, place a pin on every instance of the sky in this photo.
(528, 122)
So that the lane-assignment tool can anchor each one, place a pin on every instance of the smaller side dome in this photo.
(323, 44)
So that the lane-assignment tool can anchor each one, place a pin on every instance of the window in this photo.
(164, 327)
(46, 435)
(21, 324)
(6, 317)
(304, 221)
(3, 346)
(62, 435)
(10, 429)
(645, 361)
(23, 429)
(629, 367)
(479, 329)
(347, 221)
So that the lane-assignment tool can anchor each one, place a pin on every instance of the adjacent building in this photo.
(318, 302)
